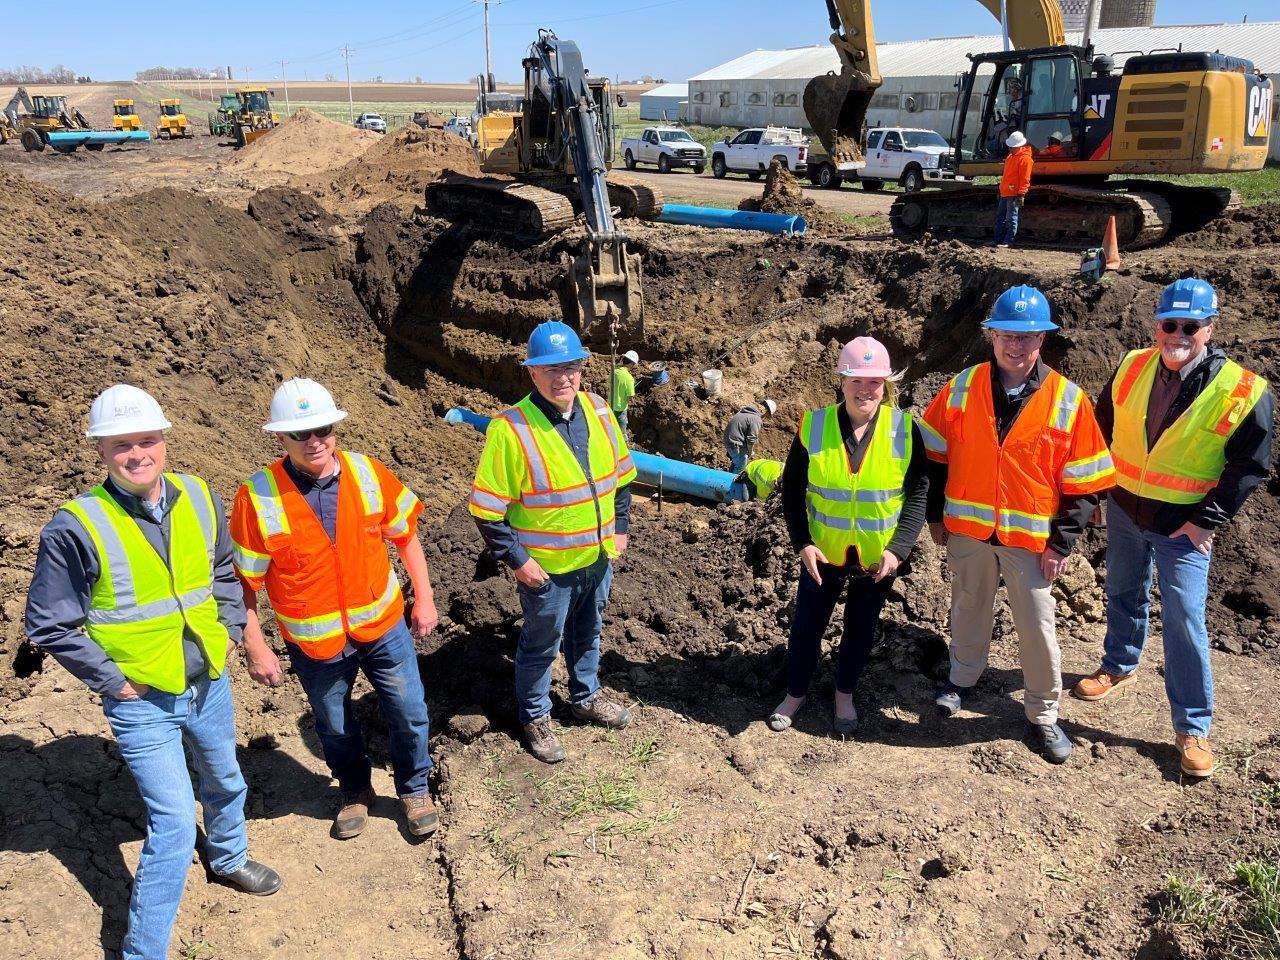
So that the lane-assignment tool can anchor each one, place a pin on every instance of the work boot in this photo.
(420, 814)
(950, 698)
(542, 741)
(602, 711)
(252, 878)
(353, 816)
(1101, 685)
(1048, 740)
(1196, 754)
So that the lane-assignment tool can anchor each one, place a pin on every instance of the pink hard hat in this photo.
(865, 357)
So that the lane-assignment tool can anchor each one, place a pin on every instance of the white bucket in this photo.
(712, 380)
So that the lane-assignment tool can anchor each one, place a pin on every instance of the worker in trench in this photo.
(552, 500)
(1021, 463)
(313, 528)
(134, 593)
(742, 433)
(622, 388)
(1190, 433)
(854, 491)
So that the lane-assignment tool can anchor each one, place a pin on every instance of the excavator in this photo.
(550, 157)
(1167, 113)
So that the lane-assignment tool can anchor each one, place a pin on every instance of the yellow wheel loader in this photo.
(172, 122)
(255, 117)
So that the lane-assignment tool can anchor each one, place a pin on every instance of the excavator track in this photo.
(506, 206)
(634, 199)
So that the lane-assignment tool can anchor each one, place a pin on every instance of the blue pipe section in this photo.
(690, 216)
(719, 486)
(69, 138)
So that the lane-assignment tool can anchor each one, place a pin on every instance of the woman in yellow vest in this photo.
(853, 495)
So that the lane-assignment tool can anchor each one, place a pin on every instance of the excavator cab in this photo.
(1039, 92)
(254, 118)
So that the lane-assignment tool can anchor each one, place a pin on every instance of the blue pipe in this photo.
(674, 475)
(76, 138)
(732, 219)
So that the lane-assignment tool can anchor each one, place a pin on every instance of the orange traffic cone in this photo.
(1110, 246)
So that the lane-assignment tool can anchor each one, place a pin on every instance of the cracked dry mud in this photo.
(696, 833)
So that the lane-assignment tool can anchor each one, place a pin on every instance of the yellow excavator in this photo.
(125, 117)
(172, 123)
(1164, 113)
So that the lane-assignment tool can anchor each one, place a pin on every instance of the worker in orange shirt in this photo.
(1055, 149)
(312, 528)
(1021, 464)
(1013, 187)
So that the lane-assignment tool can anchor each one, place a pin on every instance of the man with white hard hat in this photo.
(623, 388)
(1014, 185)
(134, 593)
(311, 528)
(742, 432)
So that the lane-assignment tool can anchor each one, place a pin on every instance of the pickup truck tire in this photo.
(664, 164)
(754, 175)
(699, 169)
(783, 161)
(629, 160)
(912, 179)
(827, 177)
(718, 168)
(871, 186)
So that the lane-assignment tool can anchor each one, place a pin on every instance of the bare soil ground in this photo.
(688, 187)
(696, 833)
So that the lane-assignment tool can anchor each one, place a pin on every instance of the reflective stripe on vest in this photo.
(961, 384)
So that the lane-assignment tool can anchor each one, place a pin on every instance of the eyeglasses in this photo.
(1189, 329)
(564, 370)
(301, 436)
(1021, 339)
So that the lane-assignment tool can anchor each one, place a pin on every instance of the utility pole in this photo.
(487, 86)
(351, 109)
(285, 81)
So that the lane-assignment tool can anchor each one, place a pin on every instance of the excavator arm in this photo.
(836, 103)
(21, 99)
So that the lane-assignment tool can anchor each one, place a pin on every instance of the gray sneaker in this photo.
(542, 741)
(1048, 740)
(950, 698)
(602, 711)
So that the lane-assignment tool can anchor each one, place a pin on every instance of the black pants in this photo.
(814, 606)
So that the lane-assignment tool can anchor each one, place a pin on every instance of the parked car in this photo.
(752, 151)
(371, 121)
(913, 158)
(668, 147)
(459, 125)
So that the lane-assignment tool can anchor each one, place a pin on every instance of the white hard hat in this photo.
(124, 409)
(1016, 140)
(771, 407)
(632, 356)
(301, 404)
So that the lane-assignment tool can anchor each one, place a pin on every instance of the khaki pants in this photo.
(976, 568)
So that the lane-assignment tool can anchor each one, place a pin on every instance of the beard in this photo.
(1176, 354)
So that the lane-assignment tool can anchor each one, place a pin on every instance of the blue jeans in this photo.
(568, 611)
(1184, 589)
(1007, 219)
(737, 461)
(622, 422)
(150, 732)
(391, 664)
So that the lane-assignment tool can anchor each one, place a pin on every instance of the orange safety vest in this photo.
(323, 591)
(1054, 447)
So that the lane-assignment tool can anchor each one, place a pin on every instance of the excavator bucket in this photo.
(604, 302)
(836, 107)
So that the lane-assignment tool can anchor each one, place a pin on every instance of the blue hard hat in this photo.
(1190, 298)
(1021, 310)
(554, 342)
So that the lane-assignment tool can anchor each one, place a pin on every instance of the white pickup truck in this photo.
(668, 147)
(909, 157)
(752, 151)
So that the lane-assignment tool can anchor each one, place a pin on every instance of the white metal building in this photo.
(920, 76)
(665, 102)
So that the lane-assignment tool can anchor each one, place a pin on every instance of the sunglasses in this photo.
(301, 436)
(1189, 329)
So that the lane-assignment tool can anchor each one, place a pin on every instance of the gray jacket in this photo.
(743, 430)
(67, 567)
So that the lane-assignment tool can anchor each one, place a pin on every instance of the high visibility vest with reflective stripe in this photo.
(1189, 457)
(564, 521)
(764, 476)
(1015, 488)
(323, 592)
(858, 511)
(140, 606)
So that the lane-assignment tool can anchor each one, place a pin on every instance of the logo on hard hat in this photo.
(127, 410)
(304, 404)
(1020, 306)
(557, 338)
(868, 356)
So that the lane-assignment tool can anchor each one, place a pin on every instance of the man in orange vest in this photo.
(1021, 463)
(1013, 188)
(312, 529)
(1190, 432)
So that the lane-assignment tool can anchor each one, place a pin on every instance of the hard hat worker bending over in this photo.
(135, 594)
(312, 529)
(1023, 462)
(1190, 432)
(552, 498)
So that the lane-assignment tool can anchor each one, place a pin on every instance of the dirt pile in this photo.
(1250, 227)
(783, 194)
(397, 169)
(305, 143)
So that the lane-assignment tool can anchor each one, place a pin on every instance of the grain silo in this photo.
(1074, 13)
(1127, 13)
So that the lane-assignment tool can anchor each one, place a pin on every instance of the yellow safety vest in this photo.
(764, 476)
(140, 607)
(855, 510)
(529, 476)
(1188, 458)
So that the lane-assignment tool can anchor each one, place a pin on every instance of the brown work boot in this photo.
(1102, 684)
(353, 816)
(602, 711)
(1196, 754)
(542, 741)
(420, 814)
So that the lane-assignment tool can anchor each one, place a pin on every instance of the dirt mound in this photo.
(1250, 227)
(783, 194)
(397, 169)
(305, 143)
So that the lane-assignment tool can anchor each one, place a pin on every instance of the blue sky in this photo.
(441, 40)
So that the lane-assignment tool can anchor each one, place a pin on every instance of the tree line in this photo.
(180, 73)
(27, 74)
